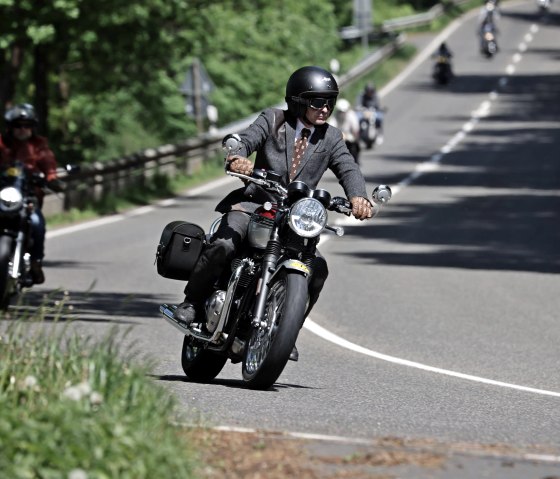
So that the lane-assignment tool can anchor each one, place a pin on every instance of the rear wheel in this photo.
(270, 345)
(5, 258)
(200, 364)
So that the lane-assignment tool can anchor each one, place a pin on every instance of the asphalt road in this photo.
(448, 302)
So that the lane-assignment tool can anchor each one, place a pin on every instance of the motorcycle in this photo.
(488, 43)
(544, 6)
(18, 200)
(442, 72)
(370, 121)
(257, 308)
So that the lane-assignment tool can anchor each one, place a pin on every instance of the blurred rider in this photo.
(346, 119)
(370, 101)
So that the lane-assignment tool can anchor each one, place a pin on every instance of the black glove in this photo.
(56, 185)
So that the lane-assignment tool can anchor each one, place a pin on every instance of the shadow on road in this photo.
(230, 383)
(503, 211)
(89, 306)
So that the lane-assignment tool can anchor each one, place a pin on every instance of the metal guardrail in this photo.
(413, 20)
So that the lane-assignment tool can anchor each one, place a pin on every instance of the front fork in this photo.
(18, 255)
(270, 260)
(270, 264)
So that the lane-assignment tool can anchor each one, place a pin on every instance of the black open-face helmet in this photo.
(21, 114)
(310, 86)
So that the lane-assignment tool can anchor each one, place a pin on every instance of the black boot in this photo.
(294, 355)
(185, 313)
(37, 271)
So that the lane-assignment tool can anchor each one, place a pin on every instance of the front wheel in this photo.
(200, 364)
(5, 258)
(269, 346)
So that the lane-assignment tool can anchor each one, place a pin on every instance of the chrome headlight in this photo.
(11, 200)
(308, 217)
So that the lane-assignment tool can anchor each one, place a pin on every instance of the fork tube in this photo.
(18, 255)
(270, 260)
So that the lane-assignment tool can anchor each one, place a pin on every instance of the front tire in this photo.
(200, 364)
(268, 348)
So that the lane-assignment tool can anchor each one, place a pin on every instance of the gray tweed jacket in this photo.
(272, 137)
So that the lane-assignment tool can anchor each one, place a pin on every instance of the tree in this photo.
(104, 75)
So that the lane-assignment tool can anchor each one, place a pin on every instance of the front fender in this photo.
(293, 265)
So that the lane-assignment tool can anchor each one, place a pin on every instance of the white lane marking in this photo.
(139, 211)
(333, 338)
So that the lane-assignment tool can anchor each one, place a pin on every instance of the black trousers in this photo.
(220, 251)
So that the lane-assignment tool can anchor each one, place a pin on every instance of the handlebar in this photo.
(272, 181)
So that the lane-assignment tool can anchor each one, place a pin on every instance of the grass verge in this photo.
(74, 408)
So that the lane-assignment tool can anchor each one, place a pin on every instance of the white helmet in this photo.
(343, 105)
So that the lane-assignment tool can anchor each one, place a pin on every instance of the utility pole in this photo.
(363, 19)
(197, 88)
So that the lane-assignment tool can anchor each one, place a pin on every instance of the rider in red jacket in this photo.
(21, 143)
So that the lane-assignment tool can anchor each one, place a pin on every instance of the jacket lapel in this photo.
(290, 146)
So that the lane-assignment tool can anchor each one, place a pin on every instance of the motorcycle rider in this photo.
(311, 94)
(370, 101)
(21, 143)
(487, 19)
(346, 119)
(443, 52)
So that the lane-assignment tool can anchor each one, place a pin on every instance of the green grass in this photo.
(69, 405)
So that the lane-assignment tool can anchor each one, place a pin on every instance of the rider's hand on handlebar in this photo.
(56, 185)
(361, 208)
(241, 165)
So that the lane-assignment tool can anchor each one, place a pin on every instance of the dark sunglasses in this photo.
(320, 103)
(22, 125)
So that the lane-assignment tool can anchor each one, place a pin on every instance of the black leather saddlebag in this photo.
(178, 249)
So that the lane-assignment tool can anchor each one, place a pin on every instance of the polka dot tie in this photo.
(299, 151)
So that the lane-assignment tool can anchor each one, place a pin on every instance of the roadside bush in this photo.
(71, 407)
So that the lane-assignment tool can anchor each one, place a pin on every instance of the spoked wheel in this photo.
(5, 284)
(198, 363)
(270, 344)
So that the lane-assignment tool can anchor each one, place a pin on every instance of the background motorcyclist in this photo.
(21, 143)
(370, 100)
(311, 94)
(444, 51)
(488, 18)
(443, 57)
(346, 119)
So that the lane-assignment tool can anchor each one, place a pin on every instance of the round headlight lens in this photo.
(10, 199)
(308, 217)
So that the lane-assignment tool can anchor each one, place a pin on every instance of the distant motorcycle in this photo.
(488, 43)
(370, 121)
(442, 72)
(257, 308)
(544, 6)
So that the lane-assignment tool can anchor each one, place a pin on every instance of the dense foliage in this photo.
(74, 408)
(105, 74)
